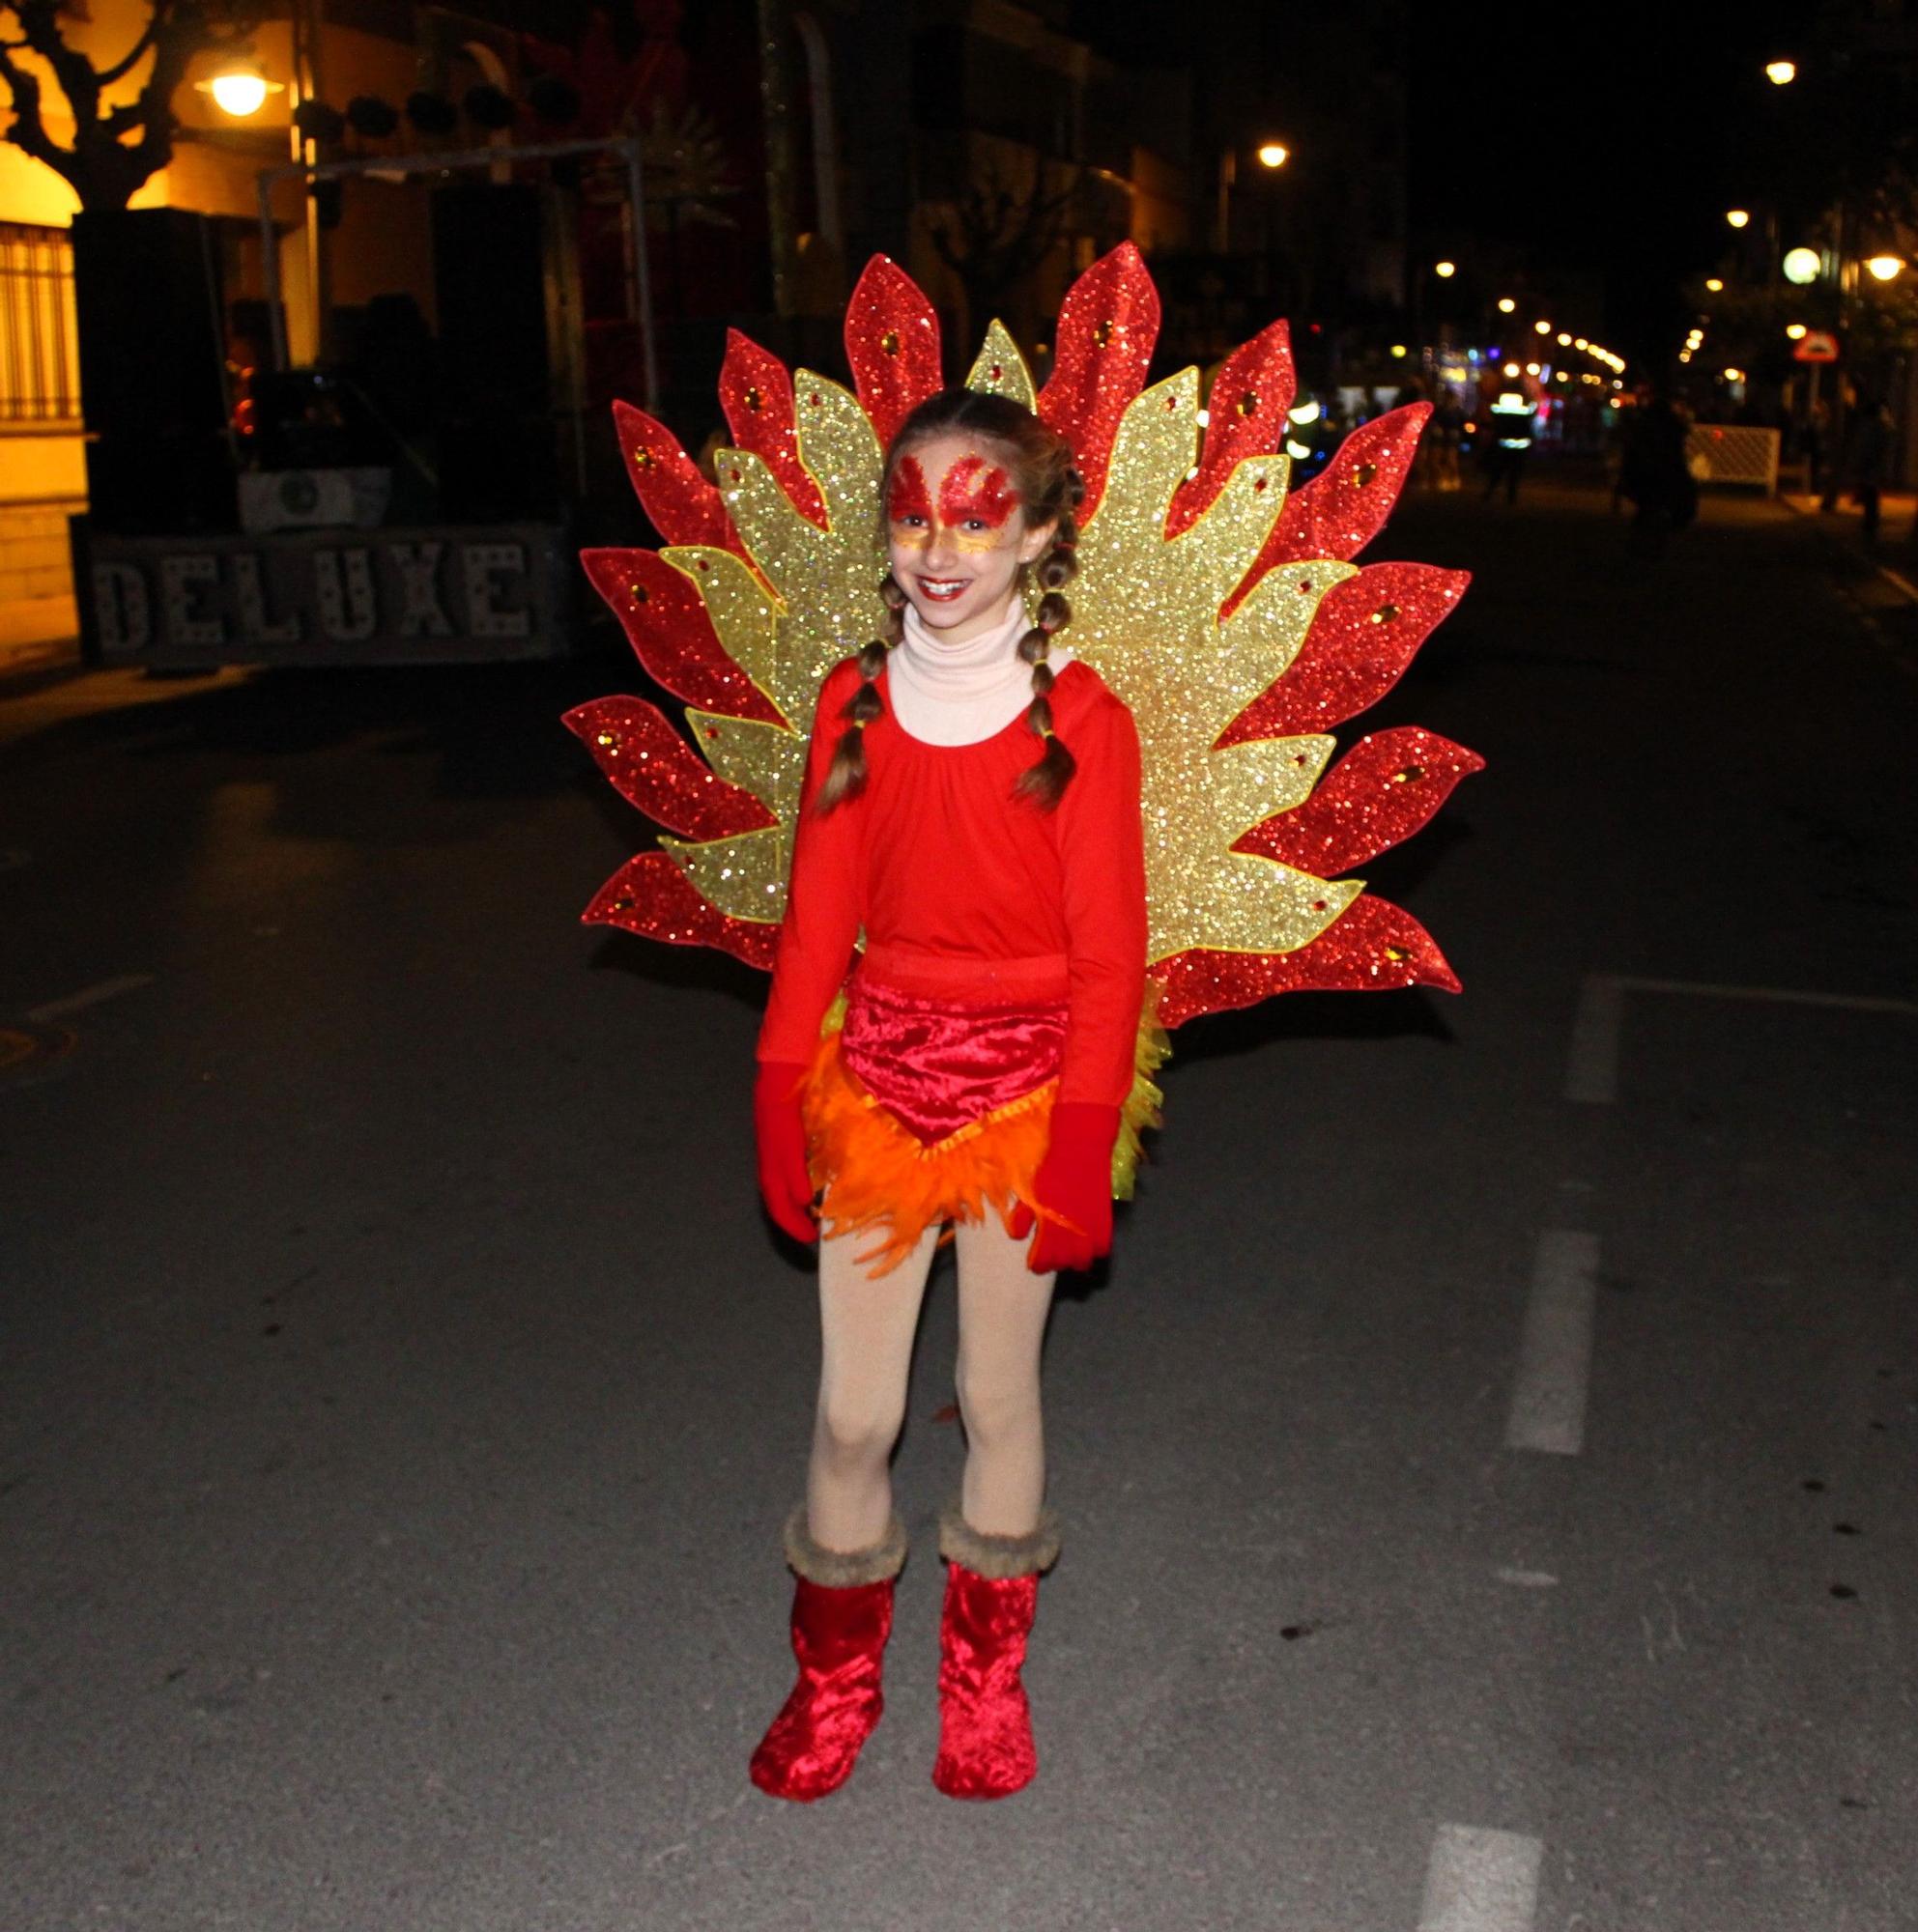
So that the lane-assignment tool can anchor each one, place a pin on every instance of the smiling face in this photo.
(957, 534)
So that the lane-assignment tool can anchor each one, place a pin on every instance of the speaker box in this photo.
(499, 471)
(489, 279)
(147, 296)
(161, 486)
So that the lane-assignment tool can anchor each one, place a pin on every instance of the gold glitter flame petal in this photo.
(743, 877)
(764, 759)
(744, 618)
(1235, 902)
(838, 444)
(1000, 370)
(1252, 781)
(827, 580)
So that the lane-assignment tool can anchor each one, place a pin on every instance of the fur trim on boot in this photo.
(998, 1557)
(841, 1569)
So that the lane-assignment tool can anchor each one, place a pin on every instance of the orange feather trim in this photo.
(881, 1177)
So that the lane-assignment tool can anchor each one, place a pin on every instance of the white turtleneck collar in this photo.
(946, 694)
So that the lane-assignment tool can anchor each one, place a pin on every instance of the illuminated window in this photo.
(39, 350)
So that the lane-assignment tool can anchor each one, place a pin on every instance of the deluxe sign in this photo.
(321, 597)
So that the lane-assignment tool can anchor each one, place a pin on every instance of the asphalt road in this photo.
(1487, 1463)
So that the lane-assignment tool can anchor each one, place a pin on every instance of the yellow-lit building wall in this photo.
(381, 246)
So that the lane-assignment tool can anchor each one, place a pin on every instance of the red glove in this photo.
(779, 1128)
(1074, 1184)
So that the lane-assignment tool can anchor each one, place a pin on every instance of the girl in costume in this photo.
(971, 806)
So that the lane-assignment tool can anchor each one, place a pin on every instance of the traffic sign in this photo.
(1818, 345)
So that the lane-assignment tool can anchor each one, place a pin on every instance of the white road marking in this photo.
(1783, 996)
(1555, 1352)
(1591, 1075)
(1526, 1580)
(1591, 1069)
(91, 996)
(1481, 1880)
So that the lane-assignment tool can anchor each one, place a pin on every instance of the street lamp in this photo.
(1739, 218)
(1273, 155)
(1801, 265)
(1544, 327)
(1735, 375)
(239, 90)
(1781, 72)
(1716, 286)
(1507, 304)
(1398, 351)
(1796, 331)
(1445, 270)
(1884, 267)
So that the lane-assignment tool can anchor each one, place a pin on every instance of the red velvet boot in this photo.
(842, 1615)
(986, 1745)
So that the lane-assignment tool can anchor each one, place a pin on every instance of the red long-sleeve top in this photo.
(937, 858)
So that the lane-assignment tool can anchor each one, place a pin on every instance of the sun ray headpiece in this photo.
(1222, 606)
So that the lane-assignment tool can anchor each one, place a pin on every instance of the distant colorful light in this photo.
(1273, 154)
(1801, 265)
(1781, 72)
(1445, 270)
(1739, 218)
(1885, 268)
(1507, 306)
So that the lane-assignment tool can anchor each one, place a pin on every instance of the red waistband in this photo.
(1042, 977)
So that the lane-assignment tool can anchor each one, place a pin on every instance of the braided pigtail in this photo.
(846, 776)
(1045, 783)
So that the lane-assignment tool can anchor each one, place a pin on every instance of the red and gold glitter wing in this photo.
(1222, 606)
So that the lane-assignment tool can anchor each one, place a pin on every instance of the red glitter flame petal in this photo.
(892, 343)
(671, 634)
(1107, 327)
(1345, 506)
(1245, 412)
(654, 769)
(650, 895)
(755, 392)
(1372, 947)
(1365, 632)
(1381, 792)
(684, 507)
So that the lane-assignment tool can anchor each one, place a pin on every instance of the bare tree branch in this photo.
(104, 169)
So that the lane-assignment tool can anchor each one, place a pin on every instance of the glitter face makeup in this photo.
(958, 565)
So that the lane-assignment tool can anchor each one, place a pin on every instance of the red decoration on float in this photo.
(1247, 413)
(666, 625)
(1381, 792)
(1366, 631)
(755, 392)
(1373, 944)
(892, 344)
(684, 507)
(1107, 326)
(653, 768)
(1346, 505)
(650, 895)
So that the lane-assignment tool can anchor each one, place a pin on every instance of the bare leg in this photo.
(1002, 1326)
(866, 1328)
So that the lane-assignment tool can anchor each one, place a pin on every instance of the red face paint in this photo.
(966, 494)
(908, 496)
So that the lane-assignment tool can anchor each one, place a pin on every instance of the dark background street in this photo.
(403, 1391)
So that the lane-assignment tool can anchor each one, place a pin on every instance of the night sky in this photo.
(1605, 138)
